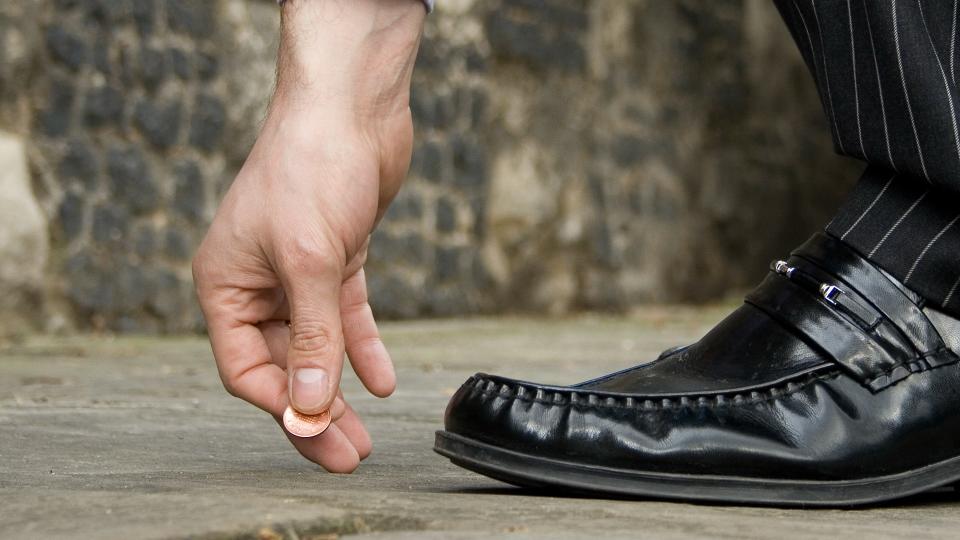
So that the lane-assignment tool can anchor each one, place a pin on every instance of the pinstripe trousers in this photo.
(887, 71)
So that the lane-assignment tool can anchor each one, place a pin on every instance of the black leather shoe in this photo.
(832, 385)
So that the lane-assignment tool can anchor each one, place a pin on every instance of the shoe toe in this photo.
(508, 413)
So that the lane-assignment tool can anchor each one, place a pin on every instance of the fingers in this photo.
(315, 353)
(328, 449)
(243, 358)
(363, 345)
(277, 336)
(342, 446)
(309, 345)
(244, 362)
(368, 355)
(338, 408)
(332, 449)
(351, 426)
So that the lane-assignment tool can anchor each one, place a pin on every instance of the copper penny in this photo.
(305, 425)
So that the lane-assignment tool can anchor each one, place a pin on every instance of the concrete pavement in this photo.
(135, 438)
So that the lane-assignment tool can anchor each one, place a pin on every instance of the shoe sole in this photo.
(527, 470)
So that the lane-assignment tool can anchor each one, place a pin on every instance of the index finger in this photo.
(245, 365)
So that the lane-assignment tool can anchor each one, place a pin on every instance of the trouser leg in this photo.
(907, 228)
(886, 74)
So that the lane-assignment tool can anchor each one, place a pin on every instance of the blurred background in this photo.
(571, 155)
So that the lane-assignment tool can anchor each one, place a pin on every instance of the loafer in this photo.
(832, 385)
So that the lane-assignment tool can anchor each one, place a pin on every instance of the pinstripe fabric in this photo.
(886, 71)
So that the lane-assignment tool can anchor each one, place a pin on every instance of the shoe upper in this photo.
(830, 370)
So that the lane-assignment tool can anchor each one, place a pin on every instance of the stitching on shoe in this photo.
(918, 360)
(598, 401)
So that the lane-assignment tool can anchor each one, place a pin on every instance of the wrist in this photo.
(428, 4)
(357, 54)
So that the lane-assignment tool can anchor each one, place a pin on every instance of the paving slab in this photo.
(135, 438)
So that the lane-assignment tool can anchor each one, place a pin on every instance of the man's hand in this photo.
(290, 238)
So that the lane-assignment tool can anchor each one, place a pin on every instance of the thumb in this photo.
(315, 356)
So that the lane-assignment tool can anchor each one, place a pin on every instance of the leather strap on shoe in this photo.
(857, 315)
(897, 303)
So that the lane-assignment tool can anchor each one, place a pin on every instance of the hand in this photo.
(290, 238)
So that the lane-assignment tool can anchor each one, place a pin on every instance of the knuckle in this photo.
(304, 256)
(353, 301)
(230, 387)
(311, 337)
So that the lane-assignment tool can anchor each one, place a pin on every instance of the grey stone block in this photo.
(153, 67)
(447, 263)
(159, 121)
(55, 117)
(111, 224)
(66, 47)
(430, 161)
(144, 15)
(104, 105)
(189, 199)
(207, 122)
(131, 181)
(446, 214)
(181, 63)
(70, 216)
(80, 162)
(177, 245)
(190, 17)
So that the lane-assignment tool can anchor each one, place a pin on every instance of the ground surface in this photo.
(134, 438)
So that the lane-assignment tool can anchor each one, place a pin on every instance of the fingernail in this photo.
(309, 389)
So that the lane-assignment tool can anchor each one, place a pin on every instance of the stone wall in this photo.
(570, 154)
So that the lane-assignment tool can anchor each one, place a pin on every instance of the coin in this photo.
(305, 425)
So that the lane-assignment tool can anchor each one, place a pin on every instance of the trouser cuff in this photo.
(908, 228)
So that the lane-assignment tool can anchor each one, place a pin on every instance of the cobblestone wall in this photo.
(570, 154)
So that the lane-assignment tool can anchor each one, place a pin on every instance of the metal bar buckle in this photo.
(783, 268)
(830, 292)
